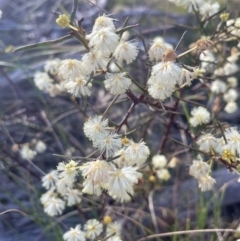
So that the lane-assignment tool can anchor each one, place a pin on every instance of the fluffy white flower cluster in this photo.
(117, 83)
(97, 130)
(205, 7)
(105, 41)
(166, 74)
(118, 181)
(162, 81)
(93, 229)
(102, 42)
(199, 116)
(159, 163)
(118, 177)
(75, 75)
(207, 142)
(201, 170)
(30, 150)
(228, 146)
(60, 186)
(48, 81)
(233, 141)
(229, 149)
(132, 154)
(158, 48)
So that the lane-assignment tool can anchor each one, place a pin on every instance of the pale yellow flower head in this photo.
(63, 20)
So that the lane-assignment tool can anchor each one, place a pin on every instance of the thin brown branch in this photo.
(187, 232)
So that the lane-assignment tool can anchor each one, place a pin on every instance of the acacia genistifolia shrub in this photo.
(119, 162)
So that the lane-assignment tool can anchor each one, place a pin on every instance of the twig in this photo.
(109, 107)
(74, 10)
(180, 40)
(188, 232)
(221, 129)
(15, 158)
(45, 43)
(189, 147)
(169, 125)
(13, 210)
(74, 157)
(124, 120)
(44, 116)
(151, 208)
(189, 101)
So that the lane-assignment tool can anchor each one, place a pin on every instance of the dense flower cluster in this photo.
(201, 170)
(61, 190)
(119, 163)
(93, 229)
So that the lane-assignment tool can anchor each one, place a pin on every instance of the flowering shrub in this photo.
(176, 90)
